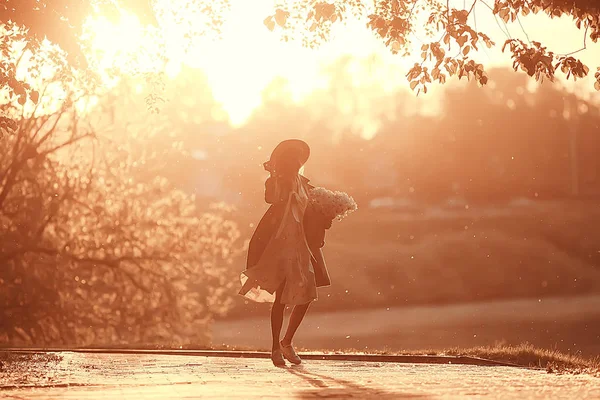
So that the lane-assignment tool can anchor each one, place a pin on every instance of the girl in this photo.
(285, 262)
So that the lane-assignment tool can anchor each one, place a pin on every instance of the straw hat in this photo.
(288, 156)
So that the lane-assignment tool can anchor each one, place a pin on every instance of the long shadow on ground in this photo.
(329, 387)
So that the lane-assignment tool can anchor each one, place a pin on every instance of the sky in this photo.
(249, 56)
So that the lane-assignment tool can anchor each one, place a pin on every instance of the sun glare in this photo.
(247, 57)
(126, 46)
(239, 66)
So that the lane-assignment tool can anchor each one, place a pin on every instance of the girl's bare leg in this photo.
(277, 317)
(295, 320)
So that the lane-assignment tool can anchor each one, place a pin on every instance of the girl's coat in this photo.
(314, 228)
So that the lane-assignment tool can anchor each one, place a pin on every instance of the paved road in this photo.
(112, 376)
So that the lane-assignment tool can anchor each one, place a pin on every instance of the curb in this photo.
(404, 359)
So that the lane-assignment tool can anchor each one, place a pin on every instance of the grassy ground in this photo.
(530, 356)
(380, 258)
(567, 324)
(524, 354)
(22, 368)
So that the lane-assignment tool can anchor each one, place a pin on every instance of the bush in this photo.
(96, 245)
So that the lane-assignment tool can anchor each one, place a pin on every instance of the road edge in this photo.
(380, 358)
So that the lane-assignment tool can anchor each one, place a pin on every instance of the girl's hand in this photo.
(327, 222)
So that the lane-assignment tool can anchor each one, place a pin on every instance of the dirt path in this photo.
(569, 324)
(139, 377)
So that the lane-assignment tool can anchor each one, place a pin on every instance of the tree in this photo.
(55, 28)
(96, 245)
(450, 29)
(61, 21)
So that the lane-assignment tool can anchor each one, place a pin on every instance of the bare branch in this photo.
(40, 125)
(523, 29)
(34, 249)
(472, 7)
(584, 43)
(506, 32)
(10, 178)
(52, 129)
(412, 9)
(53, 212)
(26, 123)
(64, 144)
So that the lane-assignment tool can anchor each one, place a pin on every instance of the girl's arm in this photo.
(315, 225)
(276, 190)
(270, 190)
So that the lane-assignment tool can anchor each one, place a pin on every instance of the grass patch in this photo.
(9, 358)
(528, 355)
(525, 355)
(19, 369)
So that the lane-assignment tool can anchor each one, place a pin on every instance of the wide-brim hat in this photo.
(291, 150)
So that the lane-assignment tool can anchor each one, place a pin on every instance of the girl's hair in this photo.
(288, 167)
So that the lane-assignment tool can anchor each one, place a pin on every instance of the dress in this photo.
(287, 257)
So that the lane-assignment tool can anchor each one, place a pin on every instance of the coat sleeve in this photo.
(314, 227)
(270, 190)
(276, 190)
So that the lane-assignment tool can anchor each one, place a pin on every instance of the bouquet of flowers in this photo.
(333, 205)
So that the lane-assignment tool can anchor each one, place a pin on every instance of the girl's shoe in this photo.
(290, 354)
(277, 358)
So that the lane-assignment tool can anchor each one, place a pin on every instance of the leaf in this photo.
(466, 50)
(597, 85)
(22, 100)
(281, 17)
(34, 96)
(413, 85)
(586, 69)
(19, 89)
(269, 23)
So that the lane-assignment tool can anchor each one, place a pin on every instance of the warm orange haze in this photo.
(130, 187)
